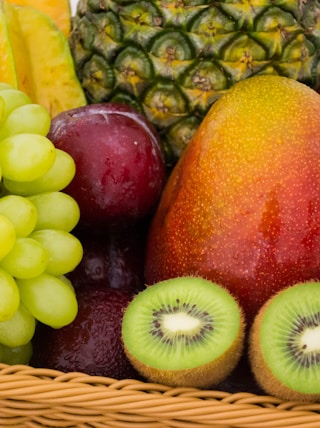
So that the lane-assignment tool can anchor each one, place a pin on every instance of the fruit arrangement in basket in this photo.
(160, 195)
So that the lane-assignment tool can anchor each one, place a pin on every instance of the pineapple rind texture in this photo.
(173, 60)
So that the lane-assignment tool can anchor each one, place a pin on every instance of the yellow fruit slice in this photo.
(43, 59)
(58, 10)
(7, 64)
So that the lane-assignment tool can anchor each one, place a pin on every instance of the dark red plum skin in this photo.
(120, 167)
(114, 258)
(92, 343)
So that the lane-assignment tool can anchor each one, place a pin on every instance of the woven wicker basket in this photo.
(36, 397)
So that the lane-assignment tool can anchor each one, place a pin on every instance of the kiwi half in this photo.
(284, 343)
(184, 331)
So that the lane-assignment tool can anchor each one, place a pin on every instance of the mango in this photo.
(242, 205)
(36, 58)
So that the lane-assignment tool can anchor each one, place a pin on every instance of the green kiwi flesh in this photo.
(284, 344)
(184, 331)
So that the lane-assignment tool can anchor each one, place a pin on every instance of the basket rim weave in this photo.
(41, 397)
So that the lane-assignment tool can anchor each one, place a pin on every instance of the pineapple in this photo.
(173, 59)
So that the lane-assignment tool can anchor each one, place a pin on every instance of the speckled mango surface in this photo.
(242, 206)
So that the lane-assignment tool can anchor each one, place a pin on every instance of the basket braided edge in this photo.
(38, 397)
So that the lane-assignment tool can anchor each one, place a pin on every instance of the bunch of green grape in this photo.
(37, 247)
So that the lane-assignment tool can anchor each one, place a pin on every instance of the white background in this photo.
(73, 4)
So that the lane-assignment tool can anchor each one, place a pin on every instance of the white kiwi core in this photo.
(180, 321)
(310, 340)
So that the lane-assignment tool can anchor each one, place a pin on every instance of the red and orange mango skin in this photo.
(242, 206)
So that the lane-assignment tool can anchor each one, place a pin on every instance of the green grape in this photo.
(65, 250)
(29, 118)
(7, 236)
(10, 298)
(13, 98)
(26, 157)
(19, 329)
(21, 212)
(49, 300)
(5, 86)
(16, 355)
(56, 210)
(2, 111)
(55, 179)
(27, 259)
(67, 281)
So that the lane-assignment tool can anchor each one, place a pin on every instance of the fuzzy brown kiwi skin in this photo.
(262, 374)
(203, 377)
